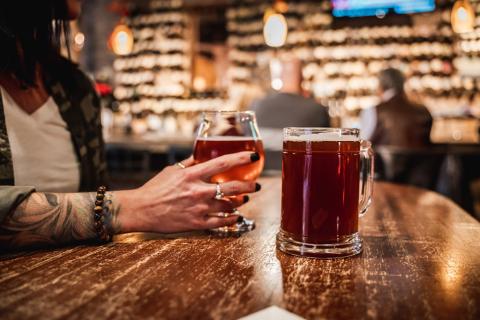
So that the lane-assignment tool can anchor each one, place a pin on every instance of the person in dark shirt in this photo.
(287, 107)
(399, 122)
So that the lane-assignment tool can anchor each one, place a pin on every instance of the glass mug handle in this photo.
(366, 176)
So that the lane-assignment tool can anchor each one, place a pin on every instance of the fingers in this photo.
(216, 222)
(233, 188)
(215, 206)
(223, 163)
(238, 201)
(234, 193)
(186, 163)
(227, 205)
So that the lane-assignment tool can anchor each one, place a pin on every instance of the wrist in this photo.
(125, 208)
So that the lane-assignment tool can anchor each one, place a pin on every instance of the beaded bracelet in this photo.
(99, 215)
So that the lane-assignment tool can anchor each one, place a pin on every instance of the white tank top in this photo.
(42, 150)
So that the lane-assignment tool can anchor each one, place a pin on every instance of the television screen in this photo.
(360, 8)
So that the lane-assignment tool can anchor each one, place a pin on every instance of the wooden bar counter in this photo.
(421, 261)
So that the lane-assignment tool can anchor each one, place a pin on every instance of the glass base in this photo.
(235, 230)
(346, 247)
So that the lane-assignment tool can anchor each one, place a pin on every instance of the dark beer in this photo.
(320, 191)
(213, 147)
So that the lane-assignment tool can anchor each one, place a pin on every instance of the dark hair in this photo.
(31, 32)
(392, 78)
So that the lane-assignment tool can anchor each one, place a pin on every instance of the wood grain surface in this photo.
(421, 261)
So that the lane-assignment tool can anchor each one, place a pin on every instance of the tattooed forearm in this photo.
(111, 210)
(55, 218)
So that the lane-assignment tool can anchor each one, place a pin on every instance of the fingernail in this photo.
(257, 187)
(254, 157)
(246, 199)
(240, 219)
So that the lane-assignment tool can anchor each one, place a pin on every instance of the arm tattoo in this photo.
(111, 210)
(55, 218)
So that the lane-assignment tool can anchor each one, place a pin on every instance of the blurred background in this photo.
(158, 64)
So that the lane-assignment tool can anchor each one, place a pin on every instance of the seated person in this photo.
(52, 150)
(396, 121)
(288, 108)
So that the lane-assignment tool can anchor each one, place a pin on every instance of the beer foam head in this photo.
(314, 135)
(227, 138)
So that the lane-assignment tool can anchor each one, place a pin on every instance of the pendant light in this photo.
(463, 17)
(275, 27)
(121, 39)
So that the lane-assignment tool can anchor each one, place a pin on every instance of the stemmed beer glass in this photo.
(224, 132)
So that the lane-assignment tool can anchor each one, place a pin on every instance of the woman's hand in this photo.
(175, 200)
(180, 199)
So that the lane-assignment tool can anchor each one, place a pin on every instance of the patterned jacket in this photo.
(79, 107)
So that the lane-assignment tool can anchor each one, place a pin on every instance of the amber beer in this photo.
(213, 147)
(320, 193)
(327, 183)
(226, 132)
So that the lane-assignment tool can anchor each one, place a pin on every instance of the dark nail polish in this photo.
(240, 219)
(257, 187)
(246, 199)
(254, 157)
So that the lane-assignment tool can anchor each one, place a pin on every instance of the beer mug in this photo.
(327, 183)
(224, 132)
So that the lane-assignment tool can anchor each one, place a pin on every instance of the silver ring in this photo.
(218, 192)
(181, 165)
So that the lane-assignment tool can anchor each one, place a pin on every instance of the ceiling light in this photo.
(275, 30)
(121, 40)
(463, 17)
